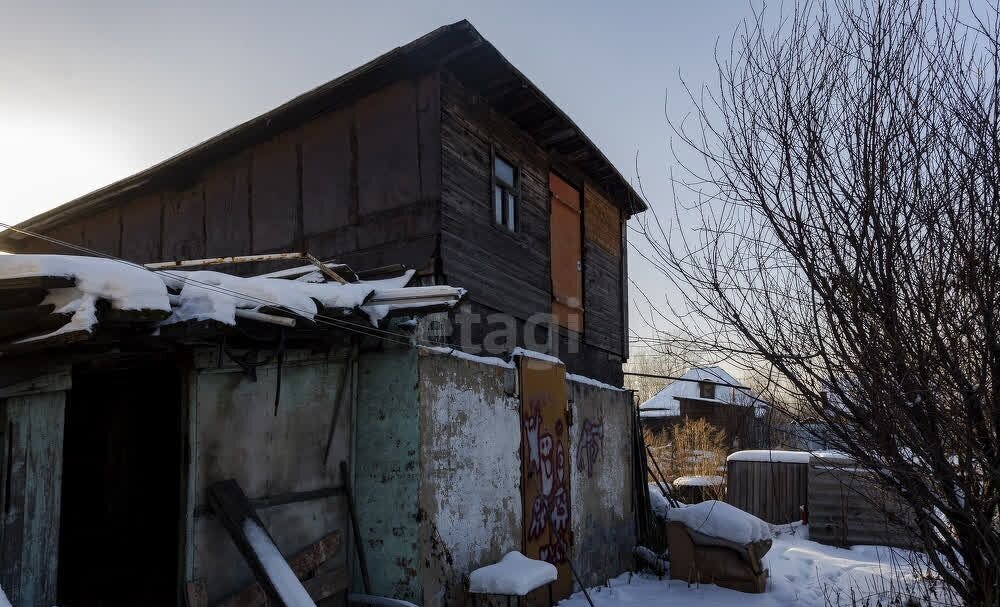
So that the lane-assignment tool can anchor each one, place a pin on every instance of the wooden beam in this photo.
(304, 565)
(37, 282)
(325, 269)
(235, 513)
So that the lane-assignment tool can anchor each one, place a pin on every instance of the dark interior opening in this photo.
(119, 537)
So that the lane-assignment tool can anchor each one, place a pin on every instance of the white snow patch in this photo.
(582, 379)
(801, 573)
(483, 360)
(123, 285)
(519, 351)
(698, 481)
(289, 587)
(515, 574)
(721, 520)
(4, 602)
(765, 455)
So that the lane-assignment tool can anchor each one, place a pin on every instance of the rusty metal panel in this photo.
(602, 221)
(567, 254)
(545, 467)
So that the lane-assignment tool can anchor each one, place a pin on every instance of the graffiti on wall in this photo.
(546, 468)
(589, 446)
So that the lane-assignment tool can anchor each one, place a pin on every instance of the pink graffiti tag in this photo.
(591, 441)
(546, 455)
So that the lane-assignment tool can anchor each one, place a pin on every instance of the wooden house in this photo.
(440, 156)
(711, 394)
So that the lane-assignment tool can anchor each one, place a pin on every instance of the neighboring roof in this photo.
(665, 403)
(55, 300)
(458, 48)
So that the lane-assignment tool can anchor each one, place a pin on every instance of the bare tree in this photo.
(847, 184)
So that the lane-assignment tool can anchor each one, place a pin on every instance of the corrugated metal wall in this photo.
(772, 491)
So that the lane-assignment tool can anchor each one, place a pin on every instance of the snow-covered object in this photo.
(3, 599)
(665, 404)
(288, 586)
(589, 381)
(519, 351)
(721, 520)
(493, 361)
(207, 295)
(123, 285)
(657, 501)
(698, 481)
(515, 574)
(802, 572)
(766, 455)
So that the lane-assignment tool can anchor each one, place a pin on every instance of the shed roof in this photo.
(458, 48)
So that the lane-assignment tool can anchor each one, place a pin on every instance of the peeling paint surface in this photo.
(603, 515)
(470, 482)
(386, 471)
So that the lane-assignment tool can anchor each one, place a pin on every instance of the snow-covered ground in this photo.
(801, 573)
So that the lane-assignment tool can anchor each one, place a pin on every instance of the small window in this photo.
(504, 193)
(707, 389)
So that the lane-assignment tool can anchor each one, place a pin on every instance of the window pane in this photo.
(511, 206)
(503, 170)
(498, 204)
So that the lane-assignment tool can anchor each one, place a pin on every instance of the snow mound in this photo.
(721, 520)
(698, 481)
(764, 455)
(515, 574)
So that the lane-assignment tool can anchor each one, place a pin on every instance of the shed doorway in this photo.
(120, 532)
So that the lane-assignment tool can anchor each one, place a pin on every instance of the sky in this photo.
(93, 92)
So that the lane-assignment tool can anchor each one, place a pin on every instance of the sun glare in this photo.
(44, 164)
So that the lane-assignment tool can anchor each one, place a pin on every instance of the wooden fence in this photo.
(847, 507)
(772, 491)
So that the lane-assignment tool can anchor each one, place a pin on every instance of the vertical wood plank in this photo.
(32, 476)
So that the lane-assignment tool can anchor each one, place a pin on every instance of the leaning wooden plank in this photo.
(37, 282)
(271, 570)
(303, 564)
(319, 587)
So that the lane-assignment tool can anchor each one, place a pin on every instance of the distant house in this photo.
(708, 393)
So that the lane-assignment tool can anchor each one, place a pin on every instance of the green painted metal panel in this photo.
(31, 475)
(387, 471)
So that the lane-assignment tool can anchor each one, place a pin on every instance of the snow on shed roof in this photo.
(47, 296)
(665, 404)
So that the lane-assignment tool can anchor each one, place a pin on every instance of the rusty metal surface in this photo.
(545, 468)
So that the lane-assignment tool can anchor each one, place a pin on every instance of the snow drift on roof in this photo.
(665, 404)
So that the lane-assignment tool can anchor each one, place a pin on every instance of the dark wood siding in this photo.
(502, 270)
(603, 273)
(360, 182)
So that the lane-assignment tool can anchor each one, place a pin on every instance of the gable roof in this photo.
(458, 48)
(665, 403)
